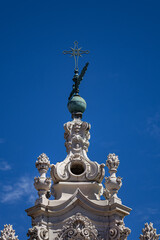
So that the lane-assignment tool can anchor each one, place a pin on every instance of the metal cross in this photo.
(76, 52)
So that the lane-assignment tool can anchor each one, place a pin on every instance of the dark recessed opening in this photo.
(77, 168)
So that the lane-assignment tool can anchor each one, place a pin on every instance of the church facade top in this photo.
(84, 203)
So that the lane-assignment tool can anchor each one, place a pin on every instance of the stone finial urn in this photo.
(42, 184)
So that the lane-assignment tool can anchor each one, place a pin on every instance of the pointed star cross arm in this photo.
(76, 53)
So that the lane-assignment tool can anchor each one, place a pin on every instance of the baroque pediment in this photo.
(60, 208)
(77, 166)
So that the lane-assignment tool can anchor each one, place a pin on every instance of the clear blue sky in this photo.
(121, 87)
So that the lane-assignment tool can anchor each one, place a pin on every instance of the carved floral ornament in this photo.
(119, 231)
(112, 162)
(38, 233)
(149, 232)
(77, 136)
(42, 183)
(112, 183)
(42, 162)
(78, 227)
(8, 233)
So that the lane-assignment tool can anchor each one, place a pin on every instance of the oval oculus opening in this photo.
(77, 168)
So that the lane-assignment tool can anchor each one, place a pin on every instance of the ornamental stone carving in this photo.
(77, 166)
(112, 162)
(38, 233)
(42, 183)
(77, 136)
(149, 232)
(43, 163)
(78, 227)
(118, 231)
(8, 233)
(112, 183)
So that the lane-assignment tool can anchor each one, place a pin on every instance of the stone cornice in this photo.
(100, 207)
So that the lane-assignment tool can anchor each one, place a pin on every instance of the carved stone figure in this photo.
(8, 233)
(149, 232)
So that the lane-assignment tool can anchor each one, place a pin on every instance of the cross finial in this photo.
(76, 52)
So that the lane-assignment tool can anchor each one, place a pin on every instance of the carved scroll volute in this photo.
(86, 135)
(118, 231)
(78, 227)
(38, 233)
(76, 136)
(67, 136)
(59, 172)
(77, 142)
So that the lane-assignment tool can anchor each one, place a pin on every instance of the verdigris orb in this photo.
(76, 104)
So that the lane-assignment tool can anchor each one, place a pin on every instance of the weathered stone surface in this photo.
(77, 170)
(77, 167)
(118, 231)
(112, 183)
(149, 232)
(77, 211)
(78, 227)
(38, 233)
(8, 233)
(42, 184)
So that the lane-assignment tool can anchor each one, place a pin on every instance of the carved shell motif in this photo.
(78, 227)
